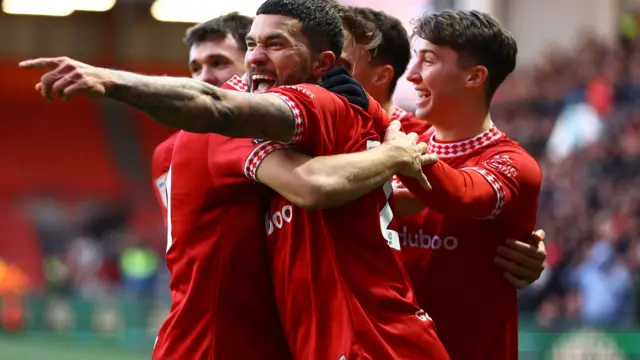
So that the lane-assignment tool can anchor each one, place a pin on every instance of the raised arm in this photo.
(182, 103)
(327, 181)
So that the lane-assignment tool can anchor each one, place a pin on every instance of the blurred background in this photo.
(82, 243)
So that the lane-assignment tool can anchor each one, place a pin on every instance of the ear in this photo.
(384, 75)
(323, 63)
(477, 76)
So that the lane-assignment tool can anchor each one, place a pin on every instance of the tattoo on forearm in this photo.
(199, 107)
(175, 102)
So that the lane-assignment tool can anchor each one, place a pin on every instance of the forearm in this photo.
(346, 177)
(454, 192)
(198, 107)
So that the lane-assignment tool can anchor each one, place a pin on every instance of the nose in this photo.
(413, 73)
(209, 76)
(256, 56)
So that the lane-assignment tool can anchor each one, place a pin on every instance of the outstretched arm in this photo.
(177, 102)
(200, 107)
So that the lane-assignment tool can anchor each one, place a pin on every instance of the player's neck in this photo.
(462, 127)
(387, 105)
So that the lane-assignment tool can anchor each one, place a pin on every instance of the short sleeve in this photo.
(316, 112)
(255, 157)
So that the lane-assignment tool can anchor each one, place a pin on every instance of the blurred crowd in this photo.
(575, 111)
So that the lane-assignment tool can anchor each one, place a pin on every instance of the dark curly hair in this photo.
(320, 22)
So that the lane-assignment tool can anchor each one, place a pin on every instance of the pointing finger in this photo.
(40, 63)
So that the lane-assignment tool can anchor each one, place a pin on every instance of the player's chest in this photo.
(189, 169)
(448, 235)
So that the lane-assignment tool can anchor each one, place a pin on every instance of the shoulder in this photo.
(309, 91)
(509, 158)
(162, 154)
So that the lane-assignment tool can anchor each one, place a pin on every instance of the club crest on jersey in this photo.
(258, 141)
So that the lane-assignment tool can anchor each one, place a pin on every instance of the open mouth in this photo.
(262, 82)
(423, 94)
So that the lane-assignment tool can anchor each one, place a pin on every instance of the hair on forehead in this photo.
(320, 23)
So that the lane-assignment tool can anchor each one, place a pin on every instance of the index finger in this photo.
(39, 63)
(394, 127)
(524, 248)
(424, 181)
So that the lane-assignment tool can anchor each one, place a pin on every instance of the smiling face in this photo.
(279, 54)
(439, 81)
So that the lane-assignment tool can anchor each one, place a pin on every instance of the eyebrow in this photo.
(272, 36)
(425, 51)
(209, 57)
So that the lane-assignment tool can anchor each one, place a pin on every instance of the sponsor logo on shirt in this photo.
(278, 218)
(258, 141)
(503, 164)
(161, 184)
(301, 89)
(422, 315)
(424, 241)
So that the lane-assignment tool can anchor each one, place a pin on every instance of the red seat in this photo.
(150, 134)
(55, 148)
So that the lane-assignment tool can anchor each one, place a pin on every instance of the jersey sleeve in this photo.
(160, 163)
(316, 112)
(506, 178)
(380, 118)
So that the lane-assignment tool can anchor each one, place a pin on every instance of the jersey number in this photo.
(386, 215)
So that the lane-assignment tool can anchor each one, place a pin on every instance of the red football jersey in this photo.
(410, 123)
(341, 290)
(448, 249)
(160, 163)
(223, 302)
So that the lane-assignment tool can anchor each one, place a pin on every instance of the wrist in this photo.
(111, 79)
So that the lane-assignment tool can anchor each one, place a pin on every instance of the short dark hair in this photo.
(364, 33)
(218, 28)
(394, 48)
(477, 37)
(320, 22)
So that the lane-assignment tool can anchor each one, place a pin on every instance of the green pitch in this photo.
(36, 348)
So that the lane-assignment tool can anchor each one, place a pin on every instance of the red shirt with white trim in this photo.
(160, 164)
(485, 190)
(223, 306)
(341, 290)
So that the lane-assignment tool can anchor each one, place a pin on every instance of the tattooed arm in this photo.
(199, 107)
(178, 102)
